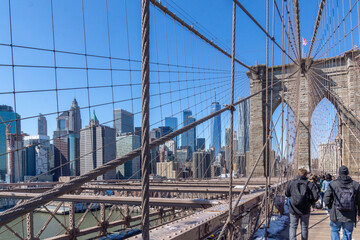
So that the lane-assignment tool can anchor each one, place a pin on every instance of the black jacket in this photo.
(314, 192)
(330, 198)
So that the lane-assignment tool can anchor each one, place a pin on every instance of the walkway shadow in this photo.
(285, 233)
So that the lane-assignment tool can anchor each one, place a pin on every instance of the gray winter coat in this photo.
(331, 195)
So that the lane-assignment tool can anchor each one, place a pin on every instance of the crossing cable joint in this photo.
(230, 107)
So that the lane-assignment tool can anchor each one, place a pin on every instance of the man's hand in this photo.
(358, 218)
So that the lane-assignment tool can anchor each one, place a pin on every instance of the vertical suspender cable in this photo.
(270, 114)
(145, 148)
(282, 90)
(266, 154)
(287, 116)
(232, 115)
(344, 25)
(358, 17)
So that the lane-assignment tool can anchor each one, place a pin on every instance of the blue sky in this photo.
(173, 88)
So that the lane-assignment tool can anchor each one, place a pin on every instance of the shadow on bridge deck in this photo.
(319, 227)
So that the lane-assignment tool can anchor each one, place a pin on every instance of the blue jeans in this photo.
(294, 221)
(322, 199)
(348, 228)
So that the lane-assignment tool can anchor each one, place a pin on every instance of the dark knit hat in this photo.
(343, 170)
(328, 177)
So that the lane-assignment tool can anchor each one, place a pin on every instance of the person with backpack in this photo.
(342, 197)
(302, 194)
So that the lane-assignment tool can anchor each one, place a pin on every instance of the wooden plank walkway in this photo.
(319, 227)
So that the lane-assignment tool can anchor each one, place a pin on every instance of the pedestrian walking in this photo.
(322, 179)
(324, 187)
(342, 197)
(322, 193)
(302, 194)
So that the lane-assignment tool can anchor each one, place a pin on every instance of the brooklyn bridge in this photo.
(172, 119)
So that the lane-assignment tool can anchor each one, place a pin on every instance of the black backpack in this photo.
(345, 198)
(300, 195)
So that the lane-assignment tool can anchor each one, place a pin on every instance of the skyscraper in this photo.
(124, 145)
(30, 156)
(154, 133)
(164, 130)
(244, 126)
(216, 128)
(74, 138)
(201, 165)
(235, 143)
(183, 155)
(97, 147)
(37, 160)
(192, 134)
(123, 121)
(184, 136)
(15, 161)
(170, 170)
(67, 143)
(7, 118)
(227, 136)
(138, 132)
(189, 137)
(227, 146)
(42, 125)
(61, 146)
(154, 153)
(200, 144)
(75, 118)
(171, 145)
(172, 122)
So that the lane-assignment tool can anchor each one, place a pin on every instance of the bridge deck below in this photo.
(319, 227)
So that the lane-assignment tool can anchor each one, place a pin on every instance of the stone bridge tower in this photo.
(337, 79)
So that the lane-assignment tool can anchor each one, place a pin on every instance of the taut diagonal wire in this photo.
(191, 29)
(297, 24)
(321, 7)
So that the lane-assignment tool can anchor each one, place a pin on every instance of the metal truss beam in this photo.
(95, 229)
(136, 201)
(186, 182)
(167, 189)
